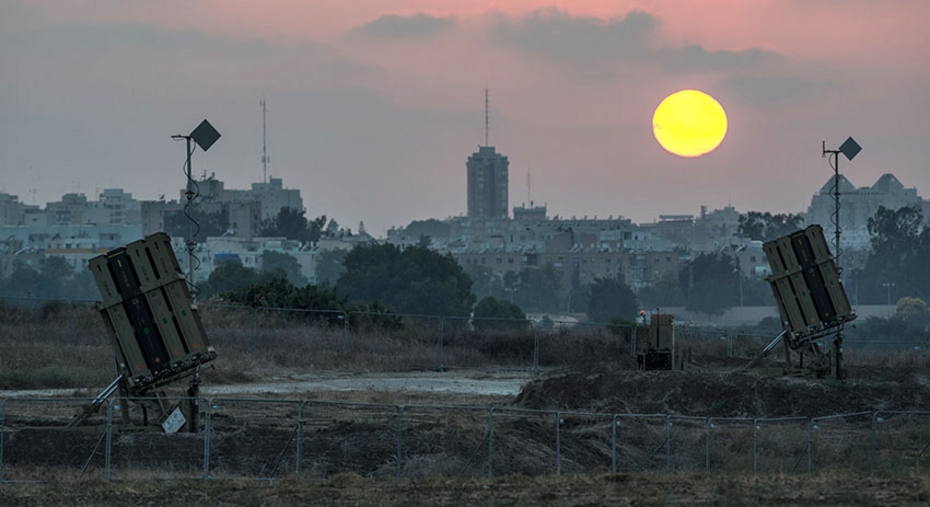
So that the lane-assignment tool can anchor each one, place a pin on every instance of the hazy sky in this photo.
(375, 105)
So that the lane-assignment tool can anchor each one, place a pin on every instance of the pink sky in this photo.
(374, 105)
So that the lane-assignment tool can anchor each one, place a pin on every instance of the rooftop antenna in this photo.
(265, 157)
(486, 117)
(529, 195)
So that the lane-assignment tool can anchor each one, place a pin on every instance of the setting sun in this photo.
(689, 123)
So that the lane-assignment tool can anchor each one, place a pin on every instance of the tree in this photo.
(493, 313)
(24, 281)
(540, 289)
(711, 283)
(913, 311)
(330, 266)
(292, 224)
(611, 298)
(664, 293)
(766, 226)
(413, 280)
(282, 265)
(229, 276)
(205, 224)
(57, 273)
(900, 254)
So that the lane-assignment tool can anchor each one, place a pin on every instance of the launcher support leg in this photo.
(839, 371)
(124, 401)
(193, 407)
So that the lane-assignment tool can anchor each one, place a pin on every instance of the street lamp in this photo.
(888, 286)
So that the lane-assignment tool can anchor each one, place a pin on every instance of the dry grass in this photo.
(596, 489)
(61, 346)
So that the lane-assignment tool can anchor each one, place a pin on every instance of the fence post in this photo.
(206, 438)
(613, 443)
(710, 425)
(2, 412)
(558, 443)
(810, 445)
(345, 332)
(108, 451)
(491, 443)
(755, 428)
(535, 348)
(873, 444)
(300, 437)
(70, 319)
(668, 443)
(254, 328)
(442, 321)
(400, 433)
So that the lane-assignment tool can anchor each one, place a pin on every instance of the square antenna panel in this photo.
(205, 135)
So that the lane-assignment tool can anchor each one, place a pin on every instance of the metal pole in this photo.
(873, 444)
(2, 412)
(613, 443)
(254, 327)
(668, 443)
(108, 453)
(810, 445)
(707, 445)
(535, 348)
(345, 332)
(206, 441)
(439, 344)
(300, 437)
(755, 428)
(190, 224)
(400, 433)
(558, 443)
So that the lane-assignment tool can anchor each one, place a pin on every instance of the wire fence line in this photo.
(313, 439)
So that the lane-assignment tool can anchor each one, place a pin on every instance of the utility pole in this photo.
(850, 148)
(265, 158)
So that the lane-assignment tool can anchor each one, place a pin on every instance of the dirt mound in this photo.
(718, 394)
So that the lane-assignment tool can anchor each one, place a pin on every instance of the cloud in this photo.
(90, 38)
(392, 26)
(560, 35)
(557, 34)
(773, 90)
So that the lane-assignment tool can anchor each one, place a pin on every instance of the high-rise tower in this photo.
(488, 188)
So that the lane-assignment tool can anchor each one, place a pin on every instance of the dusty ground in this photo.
(712, 393)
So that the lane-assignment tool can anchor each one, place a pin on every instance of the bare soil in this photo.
(710, 393)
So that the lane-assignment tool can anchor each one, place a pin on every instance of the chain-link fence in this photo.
(312, 439)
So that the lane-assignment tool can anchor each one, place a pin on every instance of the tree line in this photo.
(417, 280)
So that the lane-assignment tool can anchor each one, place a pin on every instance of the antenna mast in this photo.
(486, 117)
(265, 158)
(529, 195)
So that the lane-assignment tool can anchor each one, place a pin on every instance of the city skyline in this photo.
(374, 108)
